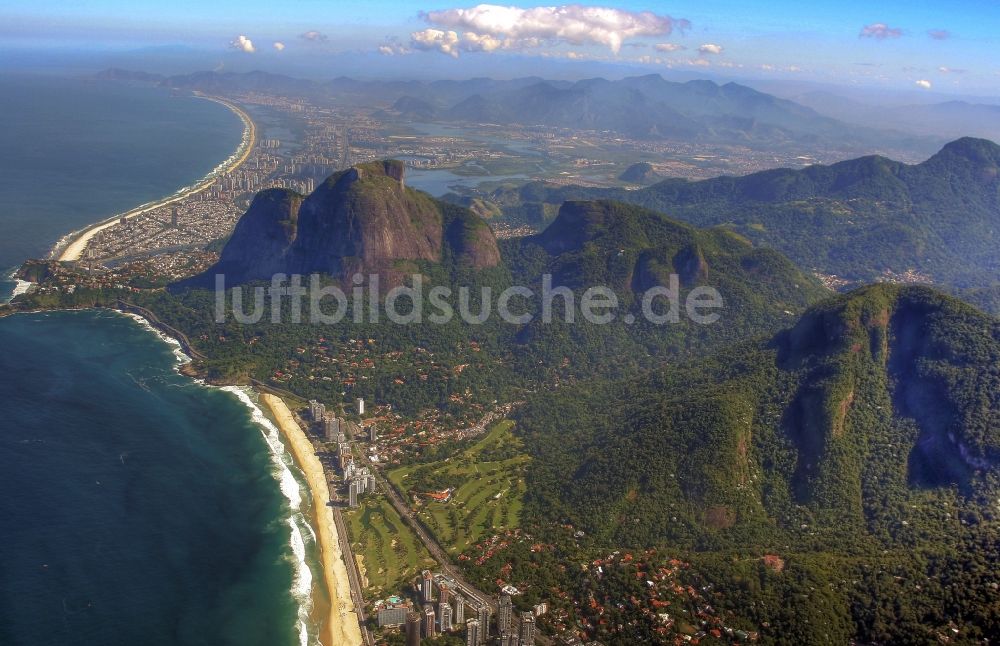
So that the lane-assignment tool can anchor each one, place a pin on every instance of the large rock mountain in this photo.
(886, 387)
(860, 448)
(857, 219)
(363, 219)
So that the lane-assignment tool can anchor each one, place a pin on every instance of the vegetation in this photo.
(488, 483)
(856, 219)
(860, 446)
(390, 554)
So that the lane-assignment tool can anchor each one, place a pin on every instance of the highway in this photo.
(357, 590)
(437, 552)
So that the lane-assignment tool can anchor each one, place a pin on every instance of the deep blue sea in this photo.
(73, 152)
(138, 506)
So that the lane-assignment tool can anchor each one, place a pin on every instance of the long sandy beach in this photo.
(342, 627)
(73, 246)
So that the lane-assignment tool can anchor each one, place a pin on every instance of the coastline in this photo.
(342, 627)
(302, 587)
(71, 246)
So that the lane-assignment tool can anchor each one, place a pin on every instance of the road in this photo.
(353, 575)
(437, 552)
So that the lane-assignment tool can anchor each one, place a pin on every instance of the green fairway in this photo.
(390, 553)
(488, 482)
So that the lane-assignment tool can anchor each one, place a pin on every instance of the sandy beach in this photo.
(342, 627)
(73, 246)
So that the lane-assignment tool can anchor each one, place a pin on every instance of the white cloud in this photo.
(278, 45)
(939, 34)
(924, 84)
(473, 42)
(314, 36)
(880, 31)
(950, 70)
(669, 47)
(445, 42)
(710, 48)
(243, 44)
(487, 27)
(392, 47)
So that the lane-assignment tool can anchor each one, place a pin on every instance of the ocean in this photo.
(79, 151)
(139, 506)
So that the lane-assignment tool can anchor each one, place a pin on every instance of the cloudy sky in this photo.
(941, 47)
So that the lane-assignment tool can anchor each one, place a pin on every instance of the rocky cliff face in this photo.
(363, 219)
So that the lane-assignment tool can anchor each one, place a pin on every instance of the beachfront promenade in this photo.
(74, 245)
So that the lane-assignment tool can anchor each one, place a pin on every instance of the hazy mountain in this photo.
(640, 173)
(949, 119)
(651, 107)
(859, 218)
(641, 106)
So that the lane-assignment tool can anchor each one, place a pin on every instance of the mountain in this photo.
(363, 219)
(652, 107)
(865, 438)
(861, 219)
(640, 173)
(642, 107)
(949, 119)
(631, 250)
(412, 108)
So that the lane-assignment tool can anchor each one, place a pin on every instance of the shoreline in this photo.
(72, 245)
(342, 627)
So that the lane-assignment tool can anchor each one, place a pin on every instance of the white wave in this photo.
(175, 345)
(302, 575)
(282, 462)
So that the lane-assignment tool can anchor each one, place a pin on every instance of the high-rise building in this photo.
(459, 609)
(331, 427)
(427, 586)
(316, 410)
(508, 639)
(505, 614)
(352, 493)
(444, 593)
(429, 629)
(484, 622)
(444, 608)
(527, 629)
(372, 433)
(393, 615)
(473, 637)
(361, 406)
(412, 629)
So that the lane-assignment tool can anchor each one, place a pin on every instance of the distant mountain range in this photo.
(642, 107)
(949, 119)
(858, 219)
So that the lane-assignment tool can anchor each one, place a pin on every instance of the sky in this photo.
(939, 47)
